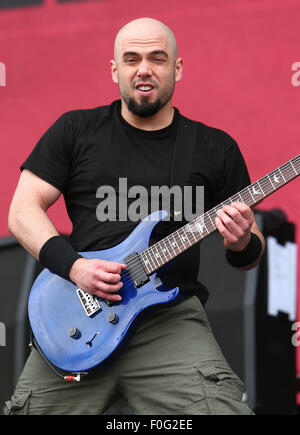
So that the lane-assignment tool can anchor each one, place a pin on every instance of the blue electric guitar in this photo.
(77, 332)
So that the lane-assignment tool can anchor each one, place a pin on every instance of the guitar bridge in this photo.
(89, 302)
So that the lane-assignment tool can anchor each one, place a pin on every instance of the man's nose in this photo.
(144, 69)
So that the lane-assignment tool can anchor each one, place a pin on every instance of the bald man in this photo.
(172, 365)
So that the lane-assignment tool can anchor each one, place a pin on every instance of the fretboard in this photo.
(180, 240)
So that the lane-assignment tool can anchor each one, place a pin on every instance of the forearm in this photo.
(31, 226)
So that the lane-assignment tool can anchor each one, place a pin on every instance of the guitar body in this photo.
(55, 308)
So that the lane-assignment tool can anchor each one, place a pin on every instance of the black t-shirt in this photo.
(86, 153)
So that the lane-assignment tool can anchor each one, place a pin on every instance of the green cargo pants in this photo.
(171, 366)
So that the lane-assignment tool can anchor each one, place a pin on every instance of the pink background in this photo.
(238, 57)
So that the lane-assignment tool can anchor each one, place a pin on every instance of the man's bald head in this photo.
(146, 68)
(143, 29)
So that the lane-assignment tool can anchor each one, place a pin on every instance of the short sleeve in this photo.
(234, 175)
(50, 159)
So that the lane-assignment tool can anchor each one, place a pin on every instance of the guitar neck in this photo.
(174, 244)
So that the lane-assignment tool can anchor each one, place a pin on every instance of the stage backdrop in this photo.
(241, 74)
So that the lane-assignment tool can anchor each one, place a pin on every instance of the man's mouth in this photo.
(144, 88)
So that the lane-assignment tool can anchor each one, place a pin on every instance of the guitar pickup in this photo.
(89, 302)
(136, 270)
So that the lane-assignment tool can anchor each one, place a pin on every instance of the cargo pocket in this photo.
(220, 379)
(19, 404)
(223, 389)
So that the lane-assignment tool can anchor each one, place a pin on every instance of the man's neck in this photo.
(163, 118)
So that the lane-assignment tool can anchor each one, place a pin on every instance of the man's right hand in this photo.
(98, 277)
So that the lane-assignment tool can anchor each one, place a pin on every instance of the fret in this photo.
(276, 178)
(261, 189)
(157, 255)
(256, 191)
(282, 175)
(266, 186)
(274, 188)
(199, 229)
(185, 236)
(229, 201)
(201, 226)
(188, 239)
(163, 250)
(171, 245)
(153, 258)
(166, 249)
(212, 223)
(175, 244)
(251, 194)
(294, 167)
(180, 245)
(180, 240)
(246, 197)
(191, 231)
(144, 262)
(182, 237)
(154, 255)
(147, 261)
(241, 197)
(287, 172)
(208, 223)
(296, 162)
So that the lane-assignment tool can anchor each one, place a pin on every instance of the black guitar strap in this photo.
(183, 153)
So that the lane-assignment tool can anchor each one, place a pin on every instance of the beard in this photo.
(144, 109)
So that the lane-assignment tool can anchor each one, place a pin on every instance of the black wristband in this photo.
(58, 256)
(247, 255)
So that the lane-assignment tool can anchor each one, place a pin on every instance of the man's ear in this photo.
(114, 71)
(178, 69)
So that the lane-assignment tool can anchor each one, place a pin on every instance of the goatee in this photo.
(144, 109)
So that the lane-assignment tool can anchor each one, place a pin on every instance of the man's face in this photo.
(146, 69)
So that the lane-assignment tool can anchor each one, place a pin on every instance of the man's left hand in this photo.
(234, 223)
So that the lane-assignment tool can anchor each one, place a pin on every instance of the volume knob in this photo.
(112, 317)
(74, 332)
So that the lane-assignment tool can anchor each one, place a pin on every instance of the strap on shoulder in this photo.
(183, 152)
